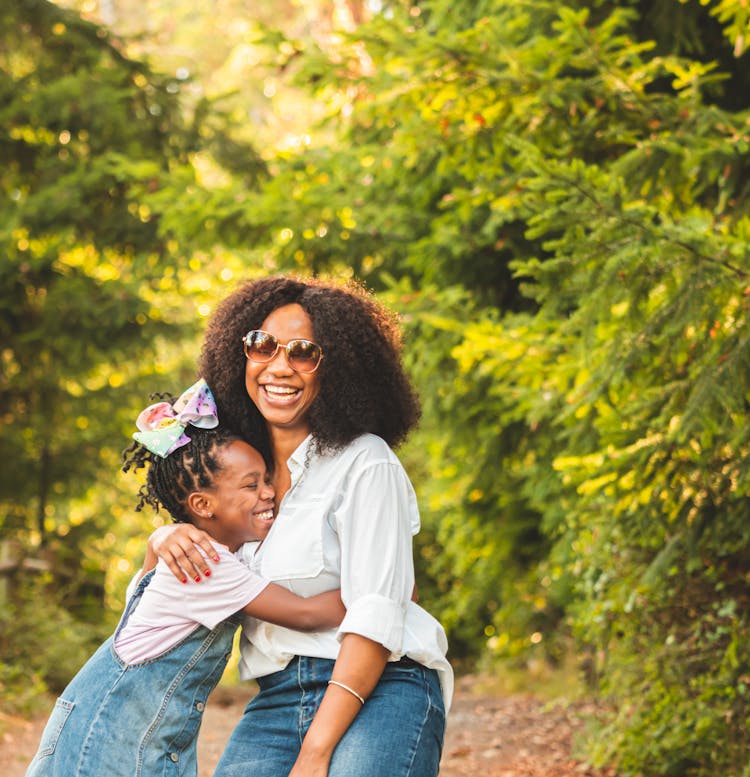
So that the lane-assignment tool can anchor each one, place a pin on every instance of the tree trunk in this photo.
(45, 461)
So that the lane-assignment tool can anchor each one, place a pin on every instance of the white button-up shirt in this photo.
(346, 522)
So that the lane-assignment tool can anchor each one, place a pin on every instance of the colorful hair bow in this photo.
(162, 425)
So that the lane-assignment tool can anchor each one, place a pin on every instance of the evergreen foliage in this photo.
(97, 300)
(90, 281)
(558, 194)
(89, 289)
(554, 195)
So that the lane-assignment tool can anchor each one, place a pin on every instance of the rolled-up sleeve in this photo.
(374, 521)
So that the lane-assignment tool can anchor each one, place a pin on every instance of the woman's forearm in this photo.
(359, 666)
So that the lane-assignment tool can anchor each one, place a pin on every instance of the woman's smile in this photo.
(283, 394)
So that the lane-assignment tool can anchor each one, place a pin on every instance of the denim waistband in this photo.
(320, 669)
(405, 661)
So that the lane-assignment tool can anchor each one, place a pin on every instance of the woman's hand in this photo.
(311, 766)
(177, 545)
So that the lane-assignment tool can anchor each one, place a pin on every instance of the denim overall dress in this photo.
(137, 720)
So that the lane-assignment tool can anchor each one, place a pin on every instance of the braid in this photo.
(170, 480)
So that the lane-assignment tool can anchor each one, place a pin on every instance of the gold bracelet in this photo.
(347, 688)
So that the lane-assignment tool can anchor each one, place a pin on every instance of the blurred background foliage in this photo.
(552, 195)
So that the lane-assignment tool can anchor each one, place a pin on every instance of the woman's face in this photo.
(282, 395)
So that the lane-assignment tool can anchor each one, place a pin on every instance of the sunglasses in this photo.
(301, 355)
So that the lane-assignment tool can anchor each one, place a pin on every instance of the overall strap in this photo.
(135, 598)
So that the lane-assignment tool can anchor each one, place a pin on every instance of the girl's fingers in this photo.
(189, 560)
(208, 548)
(180, 547)
(176, 569)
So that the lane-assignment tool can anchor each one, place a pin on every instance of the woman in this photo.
(322, 381)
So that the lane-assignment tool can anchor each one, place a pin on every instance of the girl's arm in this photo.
(276, 604)
(148, 563)
(177, 545)
(359, 666)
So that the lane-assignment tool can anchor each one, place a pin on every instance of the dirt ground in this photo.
(488, 735)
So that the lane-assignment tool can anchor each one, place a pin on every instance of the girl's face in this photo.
(283, 395)
(241, 498)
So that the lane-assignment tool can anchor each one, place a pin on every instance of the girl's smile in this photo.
(261, 522)
(239, 505)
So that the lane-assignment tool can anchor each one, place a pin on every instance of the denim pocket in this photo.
(54, 727)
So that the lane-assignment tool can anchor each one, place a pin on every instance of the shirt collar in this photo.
(298, 460)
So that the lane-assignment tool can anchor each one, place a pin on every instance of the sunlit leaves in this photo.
(599, 436)
(87, 286)
(734, 16)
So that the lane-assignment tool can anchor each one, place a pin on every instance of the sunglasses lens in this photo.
(260, 346)
(304, 356)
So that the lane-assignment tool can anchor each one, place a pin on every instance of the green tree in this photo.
(86, 133)
(98, 301)
(555, 196)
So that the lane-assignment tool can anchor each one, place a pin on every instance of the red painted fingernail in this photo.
(207, 573)
(216, 558)
(184, 580)
(197, 578)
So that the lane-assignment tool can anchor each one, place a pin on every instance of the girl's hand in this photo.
(177, 545)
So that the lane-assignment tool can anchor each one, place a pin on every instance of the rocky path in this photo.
(488, 735)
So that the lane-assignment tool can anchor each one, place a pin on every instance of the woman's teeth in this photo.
(281, 390)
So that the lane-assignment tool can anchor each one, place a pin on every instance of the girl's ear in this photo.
(200, 505)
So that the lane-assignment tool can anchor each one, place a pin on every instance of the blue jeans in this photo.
(398, 733)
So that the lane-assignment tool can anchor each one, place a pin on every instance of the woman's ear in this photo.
(200, 505)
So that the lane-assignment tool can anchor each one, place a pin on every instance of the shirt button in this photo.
(174, 757)
(200, 706)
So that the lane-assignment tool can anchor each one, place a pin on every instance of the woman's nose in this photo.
(280, 362)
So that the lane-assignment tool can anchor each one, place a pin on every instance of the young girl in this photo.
(135, 707)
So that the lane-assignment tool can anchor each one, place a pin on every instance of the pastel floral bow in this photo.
(162, 425)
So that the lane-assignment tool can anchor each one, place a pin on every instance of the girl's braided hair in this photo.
(170, 480)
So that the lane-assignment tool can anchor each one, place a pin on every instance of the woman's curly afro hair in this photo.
(363, 385)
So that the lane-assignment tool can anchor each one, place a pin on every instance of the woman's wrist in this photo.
(349, 689)
(150, 560)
